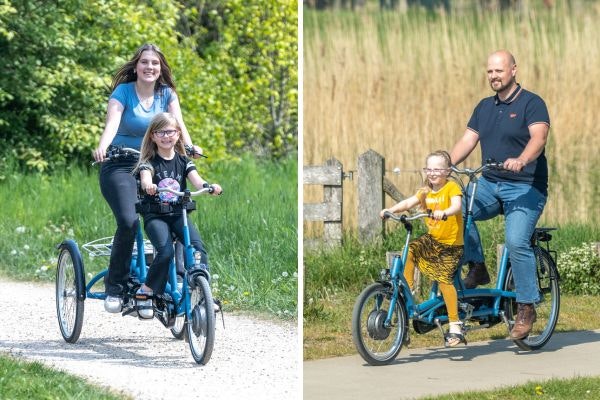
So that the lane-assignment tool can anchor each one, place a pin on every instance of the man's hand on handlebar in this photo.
(514, 164)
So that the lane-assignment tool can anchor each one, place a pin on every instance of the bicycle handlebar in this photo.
(405, 218)
(208, 190)
(117, 152)
(191, 151)
(488, 164)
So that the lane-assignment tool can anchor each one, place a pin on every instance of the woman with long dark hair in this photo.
(142, 88)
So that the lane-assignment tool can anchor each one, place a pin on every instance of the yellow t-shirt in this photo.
(450, 231)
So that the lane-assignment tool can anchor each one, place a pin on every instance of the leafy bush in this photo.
(579, 269)
(234, 63)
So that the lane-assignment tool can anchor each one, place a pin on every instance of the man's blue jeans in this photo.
(522, 205)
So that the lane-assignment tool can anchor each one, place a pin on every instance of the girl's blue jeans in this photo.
(522, 205)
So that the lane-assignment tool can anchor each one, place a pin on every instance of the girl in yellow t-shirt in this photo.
(438, 252)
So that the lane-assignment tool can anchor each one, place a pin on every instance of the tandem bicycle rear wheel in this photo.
(70, 291)
(547, 309)
(200, 329)
(376, 342)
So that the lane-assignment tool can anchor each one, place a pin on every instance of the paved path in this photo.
(252, 358)
(434, 371)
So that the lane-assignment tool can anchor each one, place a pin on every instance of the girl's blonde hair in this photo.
(148, 149)
(426, 189)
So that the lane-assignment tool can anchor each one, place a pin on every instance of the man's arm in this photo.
(465, 145)
(538, 136)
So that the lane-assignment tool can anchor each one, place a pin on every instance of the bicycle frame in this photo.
(383, 310)
(188, 309)
(425, 311)
(138, 269)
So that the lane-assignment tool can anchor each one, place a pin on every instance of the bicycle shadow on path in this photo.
(438, 370)
(470, 352)
(108, 350)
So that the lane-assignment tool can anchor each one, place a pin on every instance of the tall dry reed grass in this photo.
(404, 84)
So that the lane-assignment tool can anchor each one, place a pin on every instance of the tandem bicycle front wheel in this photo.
(378, 343)
(547, 309)
(70, 291)
(200, 329)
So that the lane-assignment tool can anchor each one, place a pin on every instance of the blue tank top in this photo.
(136, 118)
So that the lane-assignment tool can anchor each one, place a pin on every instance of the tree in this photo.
(238, 87)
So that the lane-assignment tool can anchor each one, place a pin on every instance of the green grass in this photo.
(575, 388)
(334, 279)
(250, 231)
(27, 380)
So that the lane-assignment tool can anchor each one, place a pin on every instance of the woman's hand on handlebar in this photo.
(99, 154)
(194, 151)
(382, 213)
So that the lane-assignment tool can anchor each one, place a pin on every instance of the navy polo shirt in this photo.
(503, 129)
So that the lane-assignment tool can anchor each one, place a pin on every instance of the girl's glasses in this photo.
(168, 133)
(435, 171)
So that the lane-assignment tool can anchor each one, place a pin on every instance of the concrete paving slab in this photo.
(437, 370)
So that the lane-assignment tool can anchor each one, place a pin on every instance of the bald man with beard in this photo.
(512, 127)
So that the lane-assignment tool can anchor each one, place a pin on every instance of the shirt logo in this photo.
(513, 115)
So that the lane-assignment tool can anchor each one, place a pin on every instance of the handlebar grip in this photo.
(191, 151)
(430, 215)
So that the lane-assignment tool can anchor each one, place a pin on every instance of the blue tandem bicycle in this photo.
(382, 311)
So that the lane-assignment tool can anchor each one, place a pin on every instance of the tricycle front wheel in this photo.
(200, 328)
(378, 343)
(70, 291)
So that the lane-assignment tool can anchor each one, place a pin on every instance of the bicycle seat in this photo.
(542, 235)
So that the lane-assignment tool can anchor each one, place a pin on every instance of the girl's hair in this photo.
(127, 72)
(148, 149)
(426, 189)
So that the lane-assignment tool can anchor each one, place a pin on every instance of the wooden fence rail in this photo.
(330, 175)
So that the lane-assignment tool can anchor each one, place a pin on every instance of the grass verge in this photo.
(566, 389)
(250, 232)
(334, 279)
(20, 380)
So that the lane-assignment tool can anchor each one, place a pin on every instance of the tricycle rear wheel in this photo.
(70, 291)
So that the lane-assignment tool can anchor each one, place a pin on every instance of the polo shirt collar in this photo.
(510, 98)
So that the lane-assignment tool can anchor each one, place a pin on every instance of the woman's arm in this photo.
(113, 119)
(175, 109)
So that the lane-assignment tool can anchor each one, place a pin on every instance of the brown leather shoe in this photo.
(526, 316)
(477, 275)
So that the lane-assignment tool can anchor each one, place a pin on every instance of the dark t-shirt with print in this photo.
(169, 173)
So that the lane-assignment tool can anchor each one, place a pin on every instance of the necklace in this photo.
(145, 101)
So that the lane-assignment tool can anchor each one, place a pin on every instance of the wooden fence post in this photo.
(371, 169)
(332, 229)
